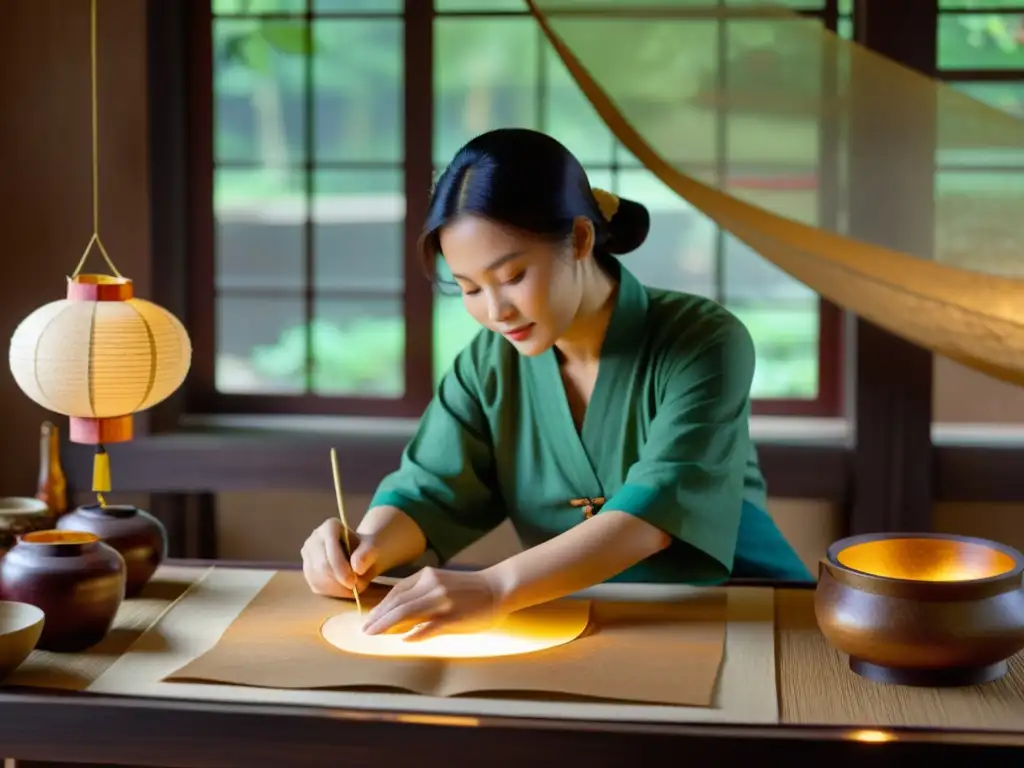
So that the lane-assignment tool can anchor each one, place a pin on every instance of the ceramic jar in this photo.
(76, 579)
(139, 537)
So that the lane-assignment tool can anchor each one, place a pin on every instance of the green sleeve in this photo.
(689, 478)
(446, 476)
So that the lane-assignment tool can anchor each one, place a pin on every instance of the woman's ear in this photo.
(582, 237)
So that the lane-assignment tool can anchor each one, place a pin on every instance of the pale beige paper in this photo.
(75, 671)
(275, 643)
(746, 690)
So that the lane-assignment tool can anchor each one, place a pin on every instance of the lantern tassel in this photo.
(101, 473)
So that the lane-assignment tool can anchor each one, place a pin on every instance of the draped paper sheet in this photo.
(792, 96)
(745, 691)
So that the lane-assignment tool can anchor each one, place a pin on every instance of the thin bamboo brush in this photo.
(344, 522)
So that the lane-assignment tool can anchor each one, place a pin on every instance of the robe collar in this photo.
(587, 455)
(629, 318)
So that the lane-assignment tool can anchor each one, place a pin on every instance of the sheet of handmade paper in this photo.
(745, 693)
(661, 653)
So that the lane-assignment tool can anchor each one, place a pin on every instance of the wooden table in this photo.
(827, 716)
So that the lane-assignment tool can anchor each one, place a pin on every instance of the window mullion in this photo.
(418, 141)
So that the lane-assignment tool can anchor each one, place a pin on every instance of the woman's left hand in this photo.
(433, 602)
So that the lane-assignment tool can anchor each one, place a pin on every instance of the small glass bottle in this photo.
(53, 486)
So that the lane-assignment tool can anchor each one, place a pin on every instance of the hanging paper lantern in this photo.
(98, 357)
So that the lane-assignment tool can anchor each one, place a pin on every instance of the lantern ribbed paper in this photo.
(99, 356)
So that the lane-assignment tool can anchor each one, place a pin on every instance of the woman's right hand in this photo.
(327, 570)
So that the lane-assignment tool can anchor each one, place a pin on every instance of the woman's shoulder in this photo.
(695, 343)
(685, 326)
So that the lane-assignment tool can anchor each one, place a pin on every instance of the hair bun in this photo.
(628, 228)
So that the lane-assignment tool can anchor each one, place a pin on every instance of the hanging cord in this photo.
(95, 239)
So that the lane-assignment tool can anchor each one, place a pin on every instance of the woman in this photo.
(607, 420)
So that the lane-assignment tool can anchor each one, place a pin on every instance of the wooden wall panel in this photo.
(45, 181)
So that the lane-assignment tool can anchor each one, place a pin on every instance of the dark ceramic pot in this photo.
(137, 535)
(76, 579)
(922, 609)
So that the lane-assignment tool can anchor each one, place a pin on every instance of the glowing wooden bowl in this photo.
(922, 609)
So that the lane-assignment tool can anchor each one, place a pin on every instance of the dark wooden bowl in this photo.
(923, 609)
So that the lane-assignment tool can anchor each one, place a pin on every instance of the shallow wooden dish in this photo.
(922, 609)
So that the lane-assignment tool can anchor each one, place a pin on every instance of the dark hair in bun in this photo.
(530, 181)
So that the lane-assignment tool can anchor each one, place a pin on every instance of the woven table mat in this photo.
(816, 686)
(76, 671)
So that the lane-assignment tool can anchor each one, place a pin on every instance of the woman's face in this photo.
(519, 285)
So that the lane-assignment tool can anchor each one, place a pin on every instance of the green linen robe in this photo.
(665, 437)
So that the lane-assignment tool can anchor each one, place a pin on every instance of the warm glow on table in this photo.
(527, 631)
(871, 736)
(926, 559)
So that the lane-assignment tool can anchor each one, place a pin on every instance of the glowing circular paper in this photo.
(527, 631)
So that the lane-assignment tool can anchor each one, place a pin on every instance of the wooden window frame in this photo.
(201, 396)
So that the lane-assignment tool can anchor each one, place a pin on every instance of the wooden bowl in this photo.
(923, 609)
(18, 515)
(21, 625)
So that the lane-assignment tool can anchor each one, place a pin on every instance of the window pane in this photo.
(804, 5)
(697, 64)
(357, 6)
(570, 118)
(602, 178)
(359, 347)
(261, 346)
(259, 229)
(786, 339)
(749, 277)
(257, 7)
(773, 113)
(454, 328)
(673, 6)
(358, 90)
(679, 253)
(485, 76)
(788, 192)
(845, 29)
(981, 41)
(358, 221)
(259, 79)
(486, 6)
(990, 203)
(967, 5)
(1008, 97)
